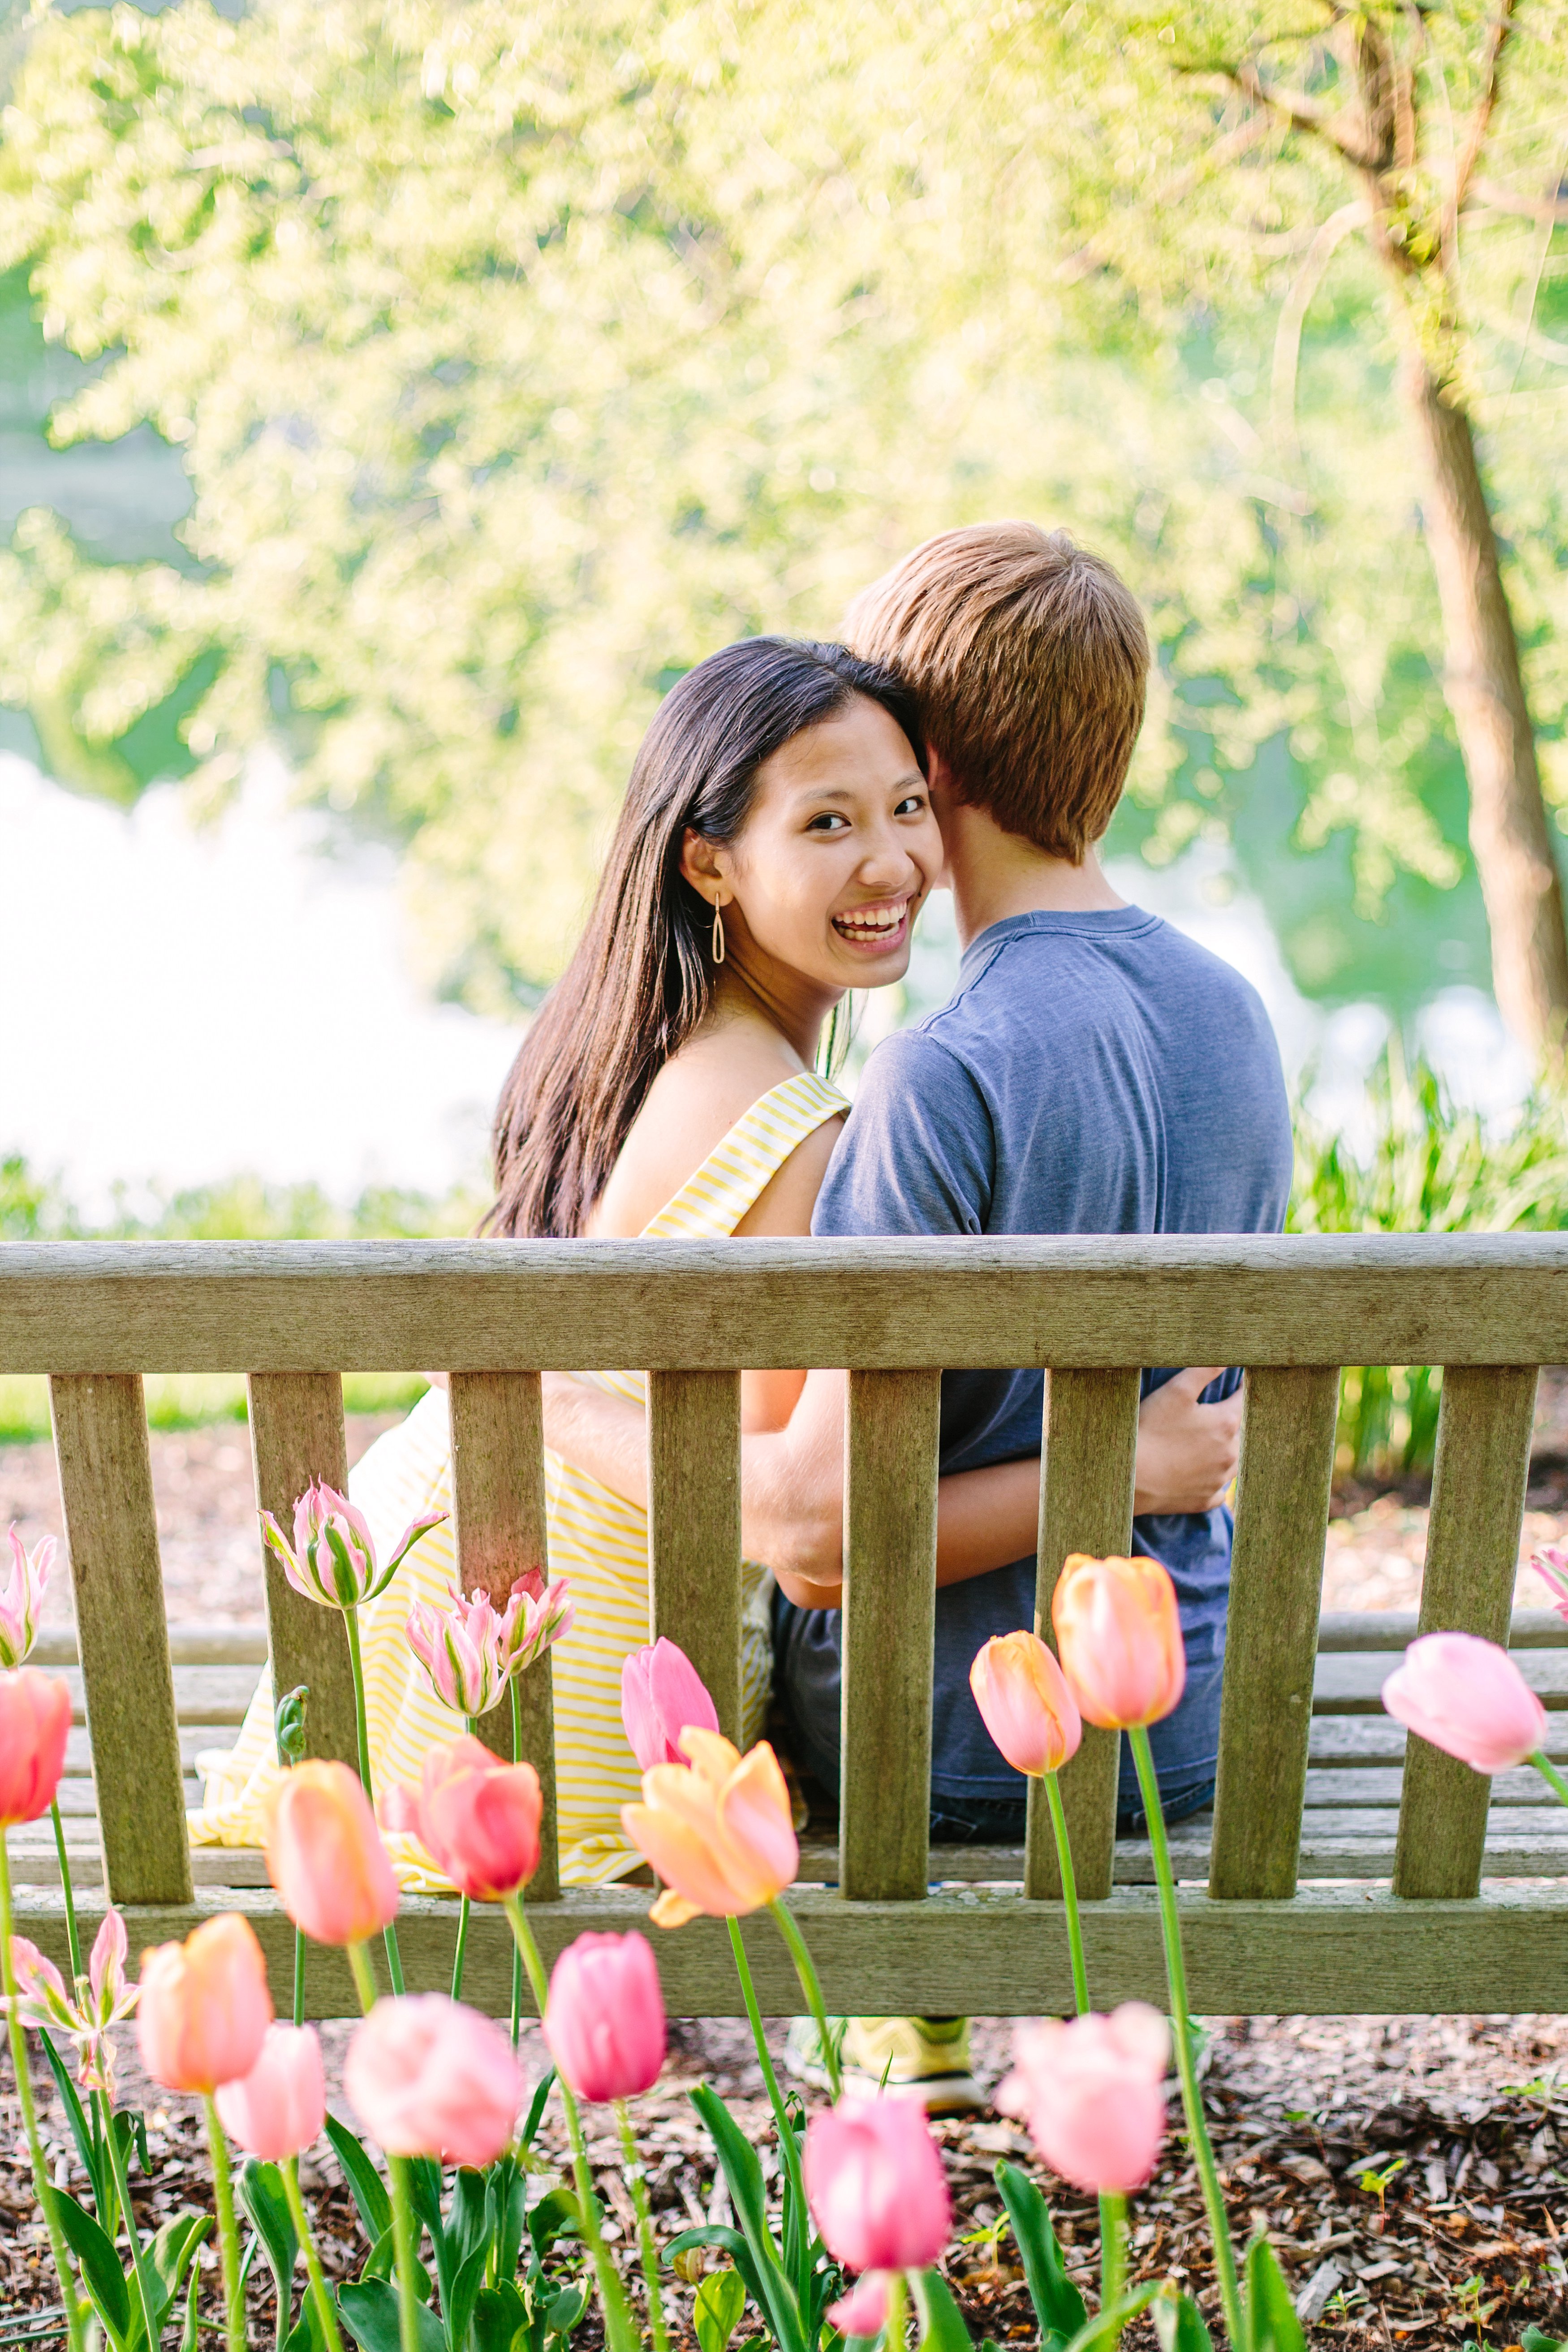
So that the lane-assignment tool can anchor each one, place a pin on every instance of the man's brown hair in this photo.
(1028, 659)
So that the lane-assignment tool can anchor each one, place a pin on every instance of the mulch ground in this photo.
(1461, 2119)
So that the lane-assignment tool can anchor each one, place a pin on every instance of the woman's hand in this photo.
(1188, 1452)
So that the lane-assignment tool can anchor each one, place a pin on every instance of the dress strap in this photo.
(714, 1200)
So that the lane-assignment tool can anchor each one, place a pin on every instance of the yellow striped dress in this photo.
(597, 1542)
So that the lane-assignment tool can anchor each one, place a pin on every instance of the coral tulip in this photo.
(1092, 2093)
(604, 2022)
(23, 1598)
(662, 1693)
(429, 2077)
(34, 1722)
(476, 1817)
(535, 1618)
(457, 1643)
(1469, 1699)
(325, 1855)
(1119, 1636)
(863, 2311)
(332, 1558)
(1027, 1707)
(205, 2006)
(875, 2185)
(280, 2106)
(719, 1831)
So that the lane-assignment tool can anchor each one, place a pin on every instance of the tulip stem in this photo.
(788, 2145)
(43, 2188)
(811, 1985)
(364, 1983)
(325, 2319)
(637, 2183)
(1175, 1975)
(1112, 2265)
(73, 1938)
(300, 1976)
(892, 2327)
(619, 2333)
(517, 1955)
(405, 2243)
(228, 2231)
(1551, 1776)
(362, 1734)
(1110, 2216)
(146, 2295)
(462, 1948)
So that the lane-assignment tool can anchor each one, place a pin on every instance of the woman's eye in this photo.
(912, 806)
(828, 821)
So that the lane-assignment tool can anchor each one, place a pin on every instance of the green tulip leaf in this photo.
(1271, 2322)
(261, 2193)
(366, 2186)
(718, 2308)
(941, 2325)
(1058, 2306)
(1178, 2323)
(101, 2272)
(370, 2313)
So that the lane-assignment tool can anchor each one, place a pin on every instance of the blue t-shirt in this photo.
(1094, 1073)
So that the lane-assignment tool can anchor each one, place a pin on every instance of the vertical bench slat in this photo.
(111, 1529)
(1472, 1560)
(889, 1634)
(498, 1503)
(693, 1526)
(296, 1435)
(1088, 1438)
(1276, 1590)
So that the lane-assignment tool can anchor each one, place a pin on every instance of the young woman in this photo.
(774, 848)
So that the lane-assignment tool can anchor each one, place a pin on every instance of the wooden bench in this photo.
(1342, 1868)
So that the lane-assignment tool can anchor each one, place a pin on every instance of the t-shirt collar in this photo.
(1089, 921)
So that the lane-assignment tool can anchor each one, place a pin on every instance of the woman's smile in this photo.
(877, 927)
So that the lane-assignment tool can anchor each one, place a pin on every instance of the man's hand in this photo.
(1188, 1452)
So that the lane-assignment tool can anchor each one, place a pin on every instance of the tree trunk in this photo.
(1510, 833)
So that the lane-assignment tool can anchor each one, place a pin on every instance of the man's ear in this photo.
(701, 864)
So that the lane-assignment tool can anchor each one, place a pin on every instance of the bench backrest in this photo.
(295, 1316)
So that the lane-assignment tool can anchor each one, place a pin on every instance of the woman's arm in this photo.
(792, 1478)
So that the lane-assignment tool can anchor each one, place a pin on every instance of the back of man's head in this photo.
(1029, 660)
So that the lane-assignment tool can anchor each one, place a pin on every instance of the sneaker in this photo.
(926, 2059)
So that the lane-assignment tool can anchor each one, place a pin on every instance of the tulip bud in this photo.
(604, 2020)
(662, 1693)
(1118, 1633)
(428, 2077)
(875, 2185)
(1469, 1699)
(457, 1643)
(205, 2006)
(279, 2108)
(536, 1617)
(478, 1818)
(325, 1855)
(1025, 1703)
(863, 2311)
(34, 1723)
(1092, 2093)
(719, 1831)
(22, 1598)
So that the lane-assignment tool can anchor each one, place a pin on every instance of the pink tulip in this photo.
(41, 1996)
(1469, 1699)
(1092, 2093)
(332, 1558)
(1025, 1703)
(476, 1817)
(1550, 1562)
(87, 2012)
(863, 2311)
(278, 2109)
(535, 1618)
(23, 1598)
(875, 2185)
(325, 1855)
(662, 1693)
(428, 2077)
(459, 1644)
(204, 2007)
(1118, 1631)
(604, 2020)
(34, 1722)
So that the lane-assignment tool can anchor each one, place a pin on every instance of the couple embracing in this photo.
(1095, 1072)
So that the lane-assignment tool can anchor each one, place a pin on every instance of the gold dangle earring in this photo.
(718, 932)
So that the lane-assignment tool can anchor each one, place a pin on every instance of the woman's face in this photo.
(825, 879)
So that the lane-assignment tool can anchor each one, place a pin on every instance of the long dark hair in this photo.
(643, 976)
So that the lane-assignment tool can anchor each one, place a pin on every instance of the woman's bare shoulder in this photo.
(689, 1109)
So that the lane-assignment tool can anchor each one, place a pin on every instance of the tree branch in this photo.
(1306, 113)
(1481, 120)
(1491, 195)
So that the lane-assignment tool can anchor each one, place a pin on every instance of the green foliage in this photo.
(1271, 2322)
(517, 358)
(718, 2310)
(1058, 2306)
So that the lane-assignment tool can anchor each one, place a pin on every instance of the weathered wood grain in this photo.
(889, 1625)
(1276, 1584)
(117, 1577)
(1090, 1438)
(873, 1305)
(980, 1951)
(694, 1527)
(296, 1436)
(1472, 1555)
(498, 1504)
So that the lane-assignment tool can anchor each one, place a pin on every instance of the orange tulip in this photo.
(718, 1829)
(1027, 1707)
(1119, 1637)
(204, 2007)
(325, 1855)
(35, 1721)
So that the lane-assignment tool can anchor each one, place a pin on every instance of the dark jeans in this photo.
(999, 1820)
